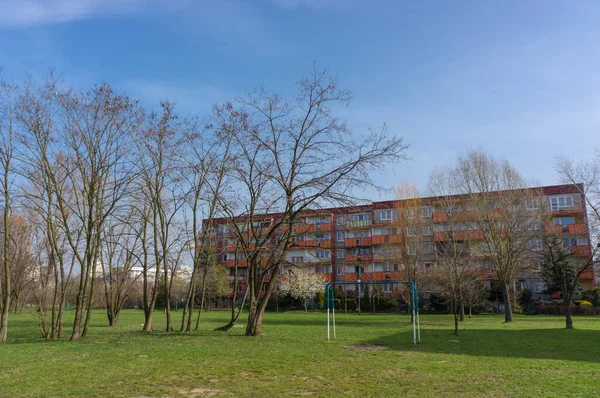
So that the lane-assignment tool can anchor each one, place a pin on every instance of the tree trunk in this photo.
(470, 310)
(202, 298)
(254, 326)
(568, 320)
(462, 311)
(507, 307)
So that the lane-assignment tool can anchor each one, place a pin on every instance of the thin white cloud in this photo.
(23, 13)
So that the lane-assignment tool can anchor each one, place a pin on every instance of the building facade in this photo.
(386, 240)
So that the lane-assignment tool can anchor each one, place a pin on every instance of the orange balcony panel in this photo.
(303, 228)
(555, 295)
(351, 277)
(327, 277)
(440, 217)
(581, 251)
(394, 238)
(385, 239)
(240, 263)
(323, 227)
(588, 274)
(365, 241)
(578, 229)
(558, 229)
(440, 236)
(350, 242)
(378, 239)
(326, 244)
(364, 258)
(306, 243)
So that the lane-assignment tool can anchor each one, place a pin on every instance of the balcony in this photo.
(374, 276)
(358, 224)
(304, 228)
(359, 258)
(588, 274)
(325, 243)
(353, 242)
(458, 235)
(382, 258)
(440, 217)
(244, 263)
(240, 263)
(581, 251)
(306, 243)
(386, 239)
(577, 229)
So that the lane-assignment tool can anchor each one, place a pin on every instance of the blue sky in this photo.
(519, 79)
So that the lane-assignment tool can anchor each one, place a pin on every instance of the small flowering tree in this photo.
(302, 284)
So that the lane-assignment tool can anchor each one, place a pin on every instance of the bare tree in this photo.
(39, 113)
(7, 175)
(117, 259)
(499, 197)
(454, 232)
(96, 128)
(414, 229)
(159, 148)
(291, 156)
(208, 160)
(22, 261)
(585, 177)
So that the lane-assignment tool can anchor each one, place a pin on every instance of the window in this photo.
(322, 254)
(340, 236)
(410, 213)
(428, 248)
(362, 251)
(360, 217)
(561, 202)
(388, 287)
(564, 221)
(339, 270)
(340, 253)
(494, 206)
(387, 214)
(521, 285)
(540, 287)
(323, 269)
(531, 204)
(387, 267)
(426, 211)
(284, 270)
(451, 209)
(412, 250)
(535, 226)
(535, 244)
(340, 220)
(297, 259)
(568, 242)
(224, 257)
(412, 231)
(321, 220)
(428, 230)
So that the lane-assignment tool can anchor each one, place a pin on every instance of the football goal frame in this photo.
(414, 300)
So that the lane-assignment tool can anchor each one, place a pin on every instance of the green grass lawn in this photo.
(531, 357)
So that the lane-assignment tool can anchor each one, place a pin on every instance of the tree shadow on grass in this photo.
(559, 344)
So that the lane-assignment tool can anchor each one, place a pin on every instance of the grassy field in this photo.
(532, 357)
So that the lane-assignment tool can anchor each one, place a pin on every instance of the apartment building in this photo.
(369, 243)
